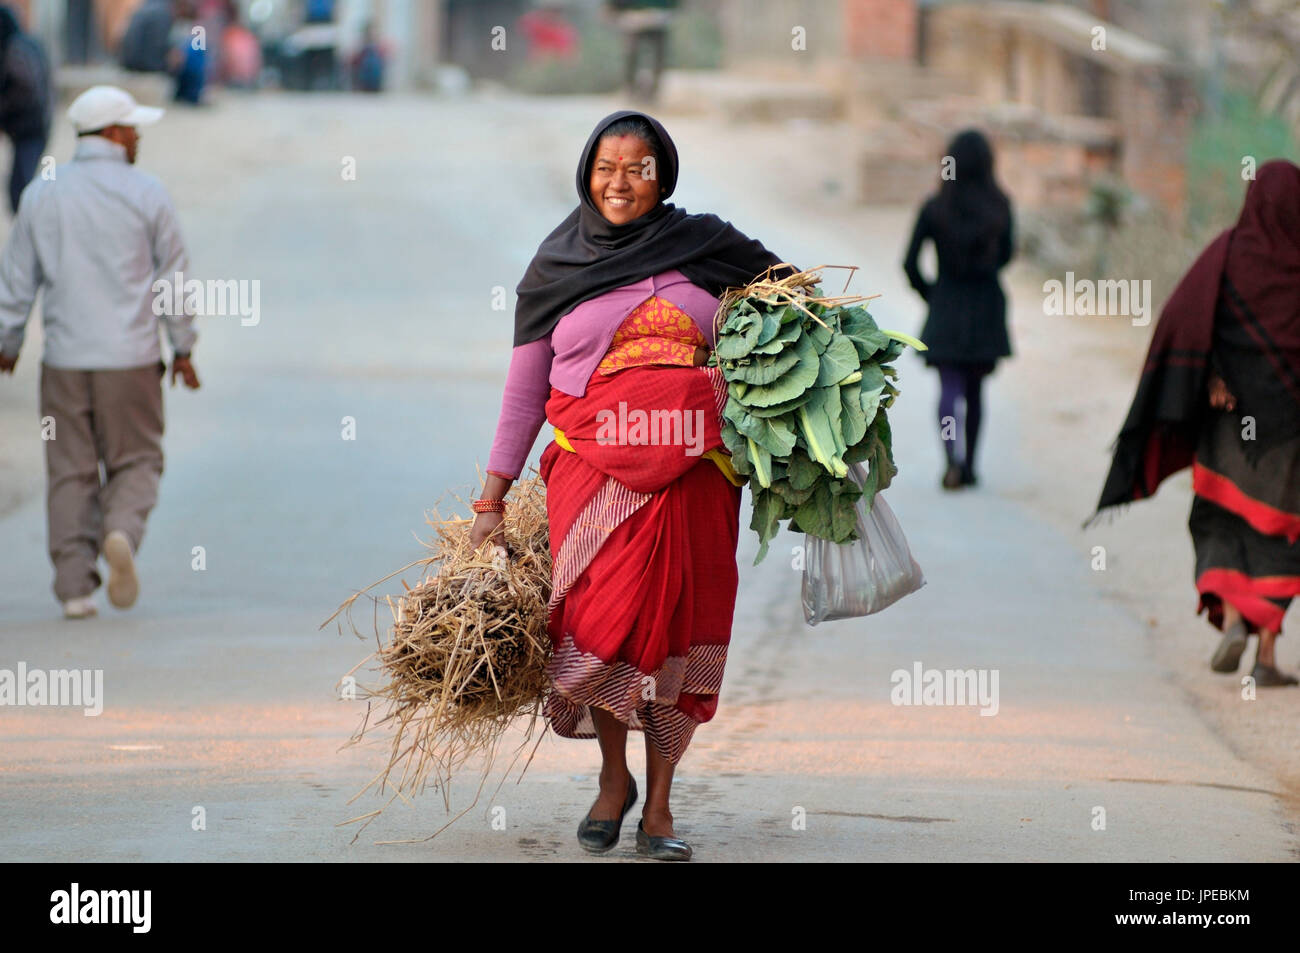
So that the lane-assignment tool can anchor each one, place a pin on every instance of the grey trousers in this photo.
(103, 461)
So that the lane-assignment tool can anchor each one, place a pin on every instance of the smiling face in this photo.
(624, 181)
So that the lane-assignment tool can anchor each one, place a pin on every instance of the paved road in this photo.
(376, 298)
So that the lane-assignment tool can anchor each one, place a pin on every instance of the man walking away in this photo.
(95, 237)
(25, 97)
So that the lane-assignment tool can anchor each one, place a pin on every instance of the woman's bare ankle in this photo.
(657, 822)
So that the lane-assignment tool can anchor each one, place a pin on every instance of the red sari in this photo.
(644, 530)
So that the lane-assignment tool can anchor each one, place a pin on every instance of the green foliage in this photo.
(1218, 143)
(807, 396)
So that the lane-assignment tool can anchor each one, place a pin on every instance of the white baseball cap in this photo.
(103, 106)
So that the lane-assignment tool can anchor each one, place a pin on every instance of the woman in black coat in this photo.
(969, 220)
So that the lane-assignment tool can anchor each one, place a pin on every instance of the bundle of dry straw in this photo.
(466, 653)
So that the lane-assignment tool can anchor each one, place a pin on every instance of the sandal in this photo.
(1268, 676)
(1228, 655)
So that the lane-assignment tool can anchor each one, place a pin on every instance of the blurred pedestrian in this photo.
(644, 24)
(1220, 391)
(147, 40)
(316, 45)
(969, 221)
(369, 62)
(95, 239)
(25, 97)
(188, 58)
(241, 53)
(214, 16)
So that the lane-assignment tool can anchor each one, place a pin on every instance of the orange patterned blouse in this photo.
(657, 332)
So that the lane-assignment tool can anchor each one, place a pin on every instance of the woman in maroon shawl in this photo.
(1220, 391)
(613, 322)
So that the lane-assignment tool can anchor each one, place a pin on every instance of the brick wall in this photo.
(884, 29)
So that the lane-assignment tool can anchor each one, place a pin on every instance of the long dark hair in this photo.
(970, 205)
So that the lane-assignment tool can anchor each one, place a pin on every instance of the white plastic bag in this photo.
(846, 580)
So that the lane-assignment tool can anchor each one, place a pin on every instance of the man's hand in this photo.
(1220, 397)
(183, 367)
(7, 363)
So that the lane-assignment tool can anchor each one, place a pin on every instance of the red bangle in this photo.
(488, 506)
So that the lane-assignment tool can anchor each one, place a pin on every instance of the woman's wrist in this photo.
(495, 487)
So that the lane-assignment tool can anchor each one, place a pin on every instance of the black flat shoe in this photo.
(1268, 676)
(599, 837)
(660, 848)
(968, 477)
(1228, 655)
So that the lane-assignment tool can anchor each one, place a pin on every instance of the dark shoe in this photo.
(952, 479)
(599, 837)
(1268, 676)
(968, 477)
(1228, 655)
(661, 848)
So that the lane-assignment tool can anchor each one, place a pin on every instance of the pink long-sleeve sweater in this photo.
(567, 357)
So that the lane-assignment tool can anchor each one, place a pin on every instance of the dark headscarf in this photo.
(586, 255)
(1249, 279)
(970, 206)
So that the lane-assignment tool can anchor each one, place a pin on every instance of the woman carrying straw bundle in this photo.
(1220, 391)
(613, 322)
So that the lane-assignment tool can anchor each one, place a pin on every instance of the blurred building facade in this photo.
(1069, 97)
(910, 72)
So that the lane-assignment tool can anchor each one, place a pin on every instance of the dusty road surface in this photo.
(376, 304)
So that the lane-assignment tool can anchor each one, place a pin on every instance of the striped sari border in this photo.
(642, 701)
